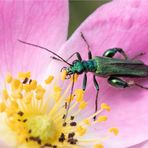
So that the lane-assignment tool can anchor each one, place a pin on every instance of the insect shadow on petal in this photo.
(113, 69)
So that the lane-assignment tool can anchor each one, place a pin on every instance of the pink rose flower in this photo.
(31, 115)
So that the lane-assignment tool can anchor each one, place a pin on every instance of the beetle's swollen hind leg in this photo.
(111, 52)
(89, 52)
(117, 82)
(97, 89)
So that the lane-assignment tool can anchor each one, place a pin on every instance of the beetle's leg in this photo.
(77, 54)
(138, 55)
(84, 82)
(89, 52)
(141, 86)
(117, 82)
(111, 52)
(132, 83)
(97, 89)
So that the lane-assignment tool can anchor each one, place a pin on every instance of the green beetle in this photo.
(103, 66)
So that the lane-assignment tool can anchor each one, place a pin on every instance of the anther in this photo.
(20, 113)
(72, 118)
(29, 131)
(24, 120)
(64, 124)
(25, 80)
(62, 138)
(73, 123)
(30, 81)
(71, 135)
(64, 116)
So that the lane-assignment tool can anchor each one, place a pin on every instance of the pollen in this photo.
(99, 146)
(81, 130)
(49, 79)
(63, 75)
(16, 84)
(82, 105)
(2, 107)
(79, 93)
(113, 130)
(86, 121)
(8, 78)
(105, 107)
(74, 77)
(5, 94)
(102, 118)
(23, 75)
(36, 115)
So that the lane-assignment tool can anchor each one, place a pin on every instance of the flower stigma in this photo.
(35, 116)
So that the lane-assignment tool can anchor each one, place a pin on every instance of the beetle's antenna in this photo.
(46, 50)
(82, 35)
(69, 101)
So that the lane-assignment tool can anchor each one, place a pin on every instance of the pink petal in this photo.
(41, 22)
(117, 24)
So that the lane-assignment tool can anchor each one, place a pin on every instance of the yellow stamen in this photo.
(86, 121)
(37, 117)
(99, 146)
(5, 94)
(82, 105)
(2, 107)
(105, 106)
(102, 118)
(17, 95)
(79, 95)
(23, 75)
(81, 130)
(49, 79)
(57, 88)
(27, 87)
(114, 130)
(33, 84)
(28, 97)
(16, 84)
(63, 75)
(75, 77)
(8, 78)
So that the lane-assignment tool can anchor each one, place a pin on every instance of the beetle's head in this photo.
(76, 68)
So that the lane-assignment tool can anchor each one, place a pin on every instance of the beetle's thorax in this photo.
(81, 66)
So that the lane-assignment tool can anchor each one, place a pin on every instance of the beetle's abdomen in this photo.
(118, 67)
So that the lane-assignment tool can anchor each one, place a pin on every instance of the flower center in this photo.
(43, 127)
(37, 118)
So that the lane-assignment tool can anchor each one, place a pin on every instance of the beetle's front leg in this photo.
(88, 47)
(77, 54)
(111, 52)
(84, 82)
(117, 82)
(97, 89)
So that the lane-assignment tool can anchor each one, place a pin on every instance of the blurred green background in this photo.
(80, 10)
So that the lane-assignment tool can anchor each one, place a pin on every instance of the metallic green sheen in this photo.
(117, 67)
